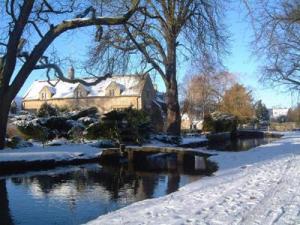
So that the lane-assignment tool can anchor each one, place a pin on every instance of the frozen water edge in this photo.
(56, 153)
(64, 151)
(259, 186)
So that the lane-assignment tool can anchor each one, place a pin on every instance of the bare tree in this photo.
(277, 40)
(157, 33)
(28, 28)
(204, 92)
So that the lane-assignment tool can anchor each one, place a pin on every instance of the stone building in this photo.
(117, 92)
(275, 113)
(189, 124)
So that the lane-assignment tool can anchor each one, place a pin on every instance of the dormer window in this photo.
(46, 93)
(44, 96)
(111, 92)
(80, 92)
(113, 89)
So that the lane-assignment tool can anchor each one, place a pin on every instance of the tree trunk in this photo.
(173, 110)
(4, 111)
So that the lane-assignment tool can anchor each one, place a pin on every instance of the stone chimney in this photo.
(71, 73)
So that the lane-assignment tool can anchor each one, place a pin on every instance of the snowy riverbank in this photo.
(260, 186)
(61, 152)
(66, 151)
(56, 153)
(37, 157)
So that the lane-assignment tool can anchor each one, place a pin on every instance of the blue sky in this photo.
(241, 61)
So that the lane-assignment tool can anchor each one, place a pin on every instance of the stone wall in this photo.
(104, 104)
(287, 126)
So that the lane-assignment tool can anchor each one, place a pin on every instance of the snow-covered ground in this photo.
(58, 153)
(186, 140)
(66, 151)
(193, 139)
(260, 186)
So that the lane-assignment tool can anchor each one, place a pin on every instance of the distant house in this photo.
(277, 112)
(188, 124)
(117, 92)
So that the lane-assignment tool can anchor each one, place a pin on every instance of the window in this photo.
(111, 92)
(78, 94)
(44, 96)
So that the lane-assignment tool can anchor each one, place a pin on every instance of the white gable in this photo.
(130, 86)
(36, 87)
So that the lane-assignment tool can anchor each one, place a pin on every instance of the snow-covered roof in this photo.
(185, 116)
(130, 85)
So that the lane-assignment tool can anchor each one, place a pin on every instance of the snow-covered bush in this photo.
(17, 142)
(128, 126)
(96, 130)
(61, 124)
(76, 133)
(87, 120)
(23, 112)
(12, 130)
(57, 142)
(33, 130)
(219, 122)
(47, 110)
(104, 143)
(168, 139)
(26, 117)
(92, 112)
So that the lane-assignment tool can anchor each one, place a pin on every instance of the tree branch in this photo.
(54, 32)
(59, 74)
(146, 55)
(14, 39)
(39, 32)
(151, 40)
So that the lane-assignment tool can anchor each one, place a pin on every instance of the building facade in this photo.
(277, 112)
(117, 92)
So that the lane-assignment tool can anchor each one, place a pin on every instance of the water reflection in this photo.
(173, 182)
(5, 216)
(239, 144)
(80, 194)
